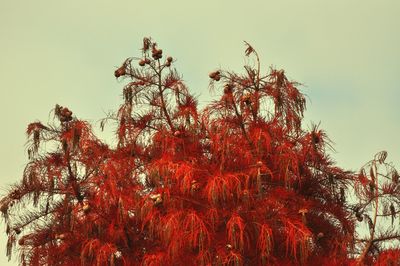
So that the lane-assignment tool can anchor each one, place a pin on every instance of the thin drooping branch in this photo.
(242, 127)
(163, 104)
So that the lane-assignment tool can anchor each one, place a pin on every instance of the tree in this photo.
(237, 183)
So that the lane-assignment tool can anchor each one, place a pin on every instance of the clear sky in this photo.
(346, 52)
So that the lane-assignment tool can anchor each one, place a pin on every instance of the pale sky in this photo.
(346, 52)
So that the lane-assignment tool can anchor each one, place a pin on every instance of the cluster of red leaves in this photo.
(238, 183)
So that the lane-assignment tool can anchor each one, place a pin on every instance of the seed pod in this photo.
(66, 112)
(169, 59)
(120, 72)
(168, 64)
(214, 74)
(156, 53)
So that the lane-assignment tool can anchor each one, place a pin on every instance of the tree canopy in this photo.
(239, 182)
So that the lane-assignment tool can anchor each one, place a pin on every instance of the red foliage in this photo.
(237, 183)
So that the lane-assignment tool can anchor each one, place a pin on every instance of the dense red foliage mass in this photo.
(237, 183)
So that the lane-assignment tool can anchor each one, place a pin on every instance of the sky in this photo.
(345, 52)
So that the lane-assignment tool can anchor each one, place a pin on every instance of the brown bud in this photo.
(169, 59)
(259, 163)
(142, 62)
(147, 60)
(214, 74)
(156, 53)
(120, 72)
(66, 112)
(168, 64)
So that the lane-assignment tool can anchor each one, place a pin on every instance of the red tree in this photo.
(238, 183)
